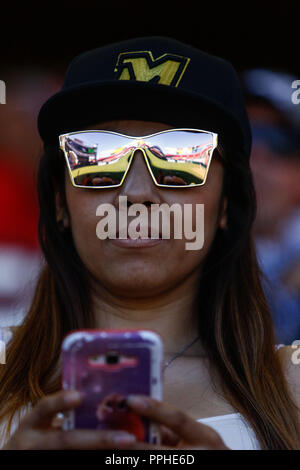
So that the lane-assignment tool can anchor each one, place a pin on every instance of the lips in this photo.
(145, 242)
(138, 229)
(137, 242)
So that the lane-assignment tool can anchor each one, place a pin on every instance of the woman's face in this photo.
(142, 270)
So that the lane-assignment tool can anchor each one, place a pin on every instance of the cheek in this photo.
(82, 206)
(211, 221)
(83, 226)
(205, 204)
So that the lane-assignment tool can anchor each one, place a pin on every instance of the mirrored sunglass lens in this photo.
(97, 159)
(180, 158)
(176, 158)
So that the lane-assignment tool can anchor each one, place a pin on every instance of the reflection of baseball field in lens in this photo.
(191, 173)
(115, 170)
(119, 166)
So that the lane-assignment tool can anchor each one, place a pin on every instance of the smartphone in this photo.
(105, 366)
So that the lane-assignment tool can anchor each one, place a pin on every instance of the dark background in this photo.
(247, 34)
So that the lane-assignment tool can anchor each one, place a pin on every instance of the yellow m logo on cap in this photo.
(167, 69)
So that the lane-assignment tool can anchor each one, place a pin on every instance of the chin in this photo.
(133, 285)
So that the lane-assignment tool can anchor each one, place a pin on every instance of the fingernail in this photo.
(124, 438)
(72, 396)
(137, 401)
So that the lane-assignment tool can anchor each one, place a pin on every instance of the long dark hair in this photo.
(235, 325)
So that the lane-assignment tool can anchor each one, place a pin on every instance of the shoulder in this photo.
(289, 357)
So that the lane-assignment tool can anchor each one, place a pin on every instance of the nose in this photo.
(138, 185)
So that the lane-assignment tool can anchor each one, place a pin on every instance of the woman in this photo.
(207, 304)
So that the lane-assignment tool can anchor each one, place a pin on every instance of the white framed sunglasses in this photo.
(175, 158)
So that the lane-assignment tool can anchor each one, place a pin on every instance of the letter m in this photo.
(167, 69)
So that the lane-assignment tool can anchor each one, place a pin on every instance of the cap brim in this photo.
(81, 106)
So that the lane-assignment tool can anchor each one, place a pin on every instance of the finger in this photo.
(86, 439)
(168, 437)
(46, 409)
(180, 423)
(79, 439)
(146, 446)
(57, 421)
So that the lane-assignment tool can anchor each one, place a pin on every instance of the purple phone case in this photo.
(105, 386)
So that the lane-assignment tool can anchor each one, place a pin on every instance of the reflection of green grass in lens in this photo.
(187, 177)
(119, 166)
(189, 172)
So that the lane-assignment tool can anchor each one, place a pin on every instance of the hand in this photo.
(179, 431)
(36, 430)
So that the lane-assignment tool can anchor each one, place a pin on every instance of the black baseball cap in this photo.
(152, 79)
